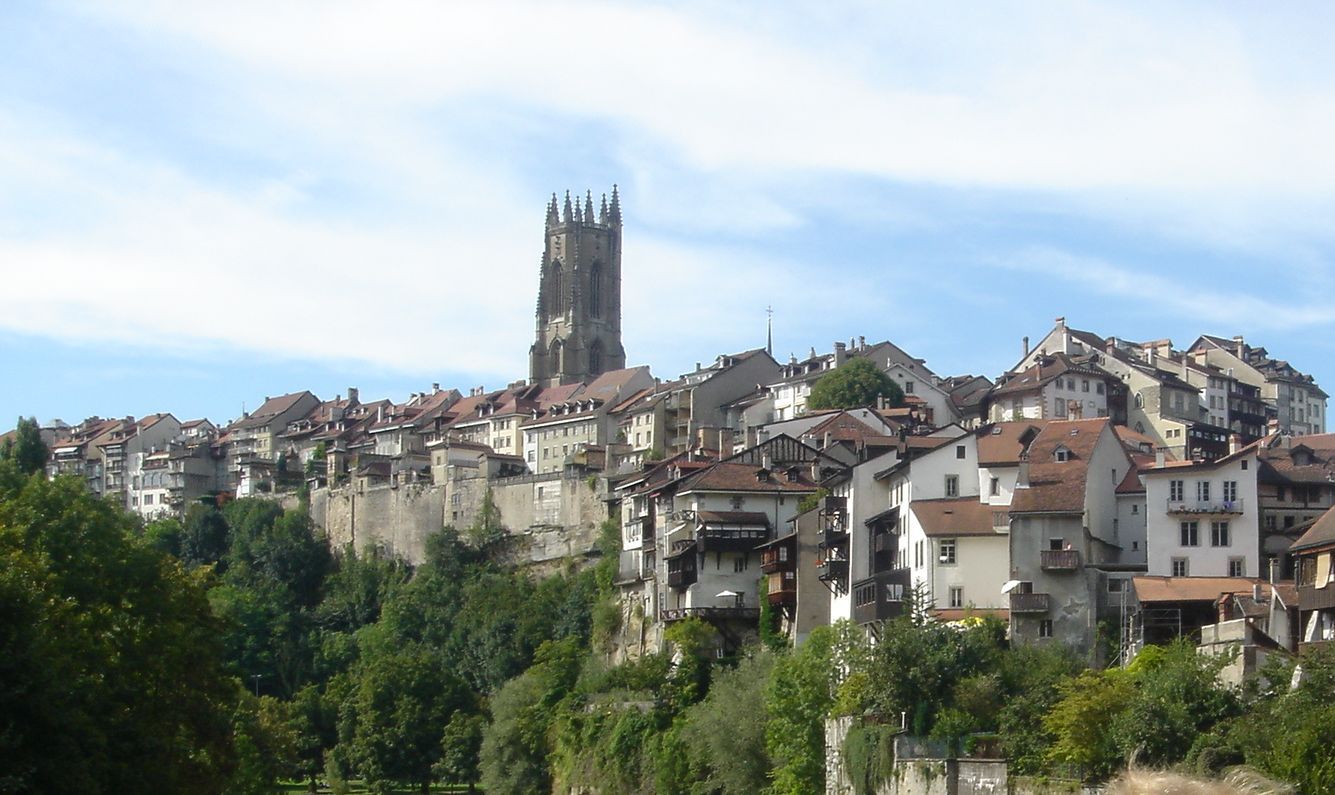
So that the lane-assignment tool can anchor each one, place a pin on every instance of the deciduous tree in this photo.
(856, 383)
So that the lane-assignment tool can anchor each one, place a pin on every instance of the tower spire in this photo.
(614, 212)
(588, 207)
(553, 218)
(602, 212)
(569, 214)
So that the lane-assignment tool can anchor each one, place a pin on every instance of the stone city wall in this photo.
(556, 517)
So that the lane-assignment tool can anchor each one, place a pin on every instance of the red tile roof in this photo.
(748, 477)
(1321, 534)
(1190, 589)
(1059, 486)
(965, 516)
(1002, 443)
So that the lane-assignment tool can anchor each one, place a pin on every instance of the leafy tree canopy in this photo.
(856, 383)
(25, 448)
(110, 675)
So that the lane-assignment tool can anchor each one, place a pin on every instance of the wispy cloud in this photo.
(1188, 296)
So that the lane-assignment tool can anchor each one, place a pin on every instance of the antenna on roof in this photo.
(769, 330)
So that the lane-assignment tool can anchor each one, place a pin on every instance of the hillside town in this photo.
(1099, 492)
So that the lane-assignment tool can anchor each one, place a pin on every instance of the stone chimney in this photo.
(840, 354)
(1234, 443)
(1025, 340)
(1239, 347)
(352, 394)
(862, 342)
(1158, 456)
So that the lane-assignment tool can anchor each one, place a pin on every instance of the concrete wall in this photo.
(557, 516)
(913, 775)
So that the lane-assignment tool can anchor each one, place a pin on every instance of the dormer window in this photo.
(762, 475)
(1062, 454)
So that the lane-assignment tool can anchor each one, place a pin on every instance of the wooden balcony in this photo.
(776, 559)
(782, 598)
(681, 567)
(732, 539)
(670, 614)
(880, 597)
(1022, 603)
(1059, 560)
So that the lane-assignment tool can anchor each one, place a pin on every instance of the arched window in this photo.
(596, 357)
(596, 290)
(556, 357)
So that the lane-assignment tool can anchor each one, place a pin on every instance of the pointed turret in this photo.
(579, 217)
(602, 212)
(569, 214)
(614, 212)
(553, 218)
(588, 207)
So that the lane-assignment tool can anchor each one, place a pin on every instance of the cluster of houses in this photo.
(1100, 493)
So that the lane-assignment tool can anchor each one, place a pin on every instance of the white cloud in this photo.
(394, 215)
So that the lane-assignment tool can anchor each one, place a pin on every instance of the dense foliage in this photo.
(232, 649)
(854, 384)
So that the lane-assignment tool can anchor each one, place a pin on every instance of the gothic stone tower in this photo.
(579, 294)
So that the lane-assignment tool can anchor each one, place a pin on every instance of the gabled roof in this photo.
(1322, 534)
(271, 408)
(1131, 482)
(846, 426)
(738, 477)
(1045, 370)
(963, 516)
(1317, 452)
(1059, 486)
(1002, 443)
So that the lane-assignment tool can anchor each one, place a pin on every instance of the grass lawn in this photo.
(360, 788)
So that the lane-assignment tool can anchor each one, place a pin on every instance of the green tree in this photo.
(725, 734)
(916, 667)
(1081, 722)
(798, 698)
(856, 383)
(515, 749)
(165, 535)
(1030, 679)
(204, 534)
(461, 744)
(26, 448)
(1178, 697)
(1289, 734)
(393, 723)
(265, 744)
(110, 667)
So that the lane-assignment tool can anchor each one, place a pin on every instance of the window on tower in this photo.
(596, 357)
(596, 290)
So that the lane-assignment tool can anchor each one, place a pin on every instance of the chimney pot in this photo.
(1158, 457)
(1026, 345)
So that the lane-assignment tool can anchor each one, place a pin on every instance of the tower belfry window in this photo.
(596, 290)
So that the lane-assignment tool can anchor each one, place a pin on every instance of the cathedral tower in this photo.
(579, 293)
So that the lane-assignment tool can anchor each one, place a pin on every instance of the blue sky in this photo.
(202, 205)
